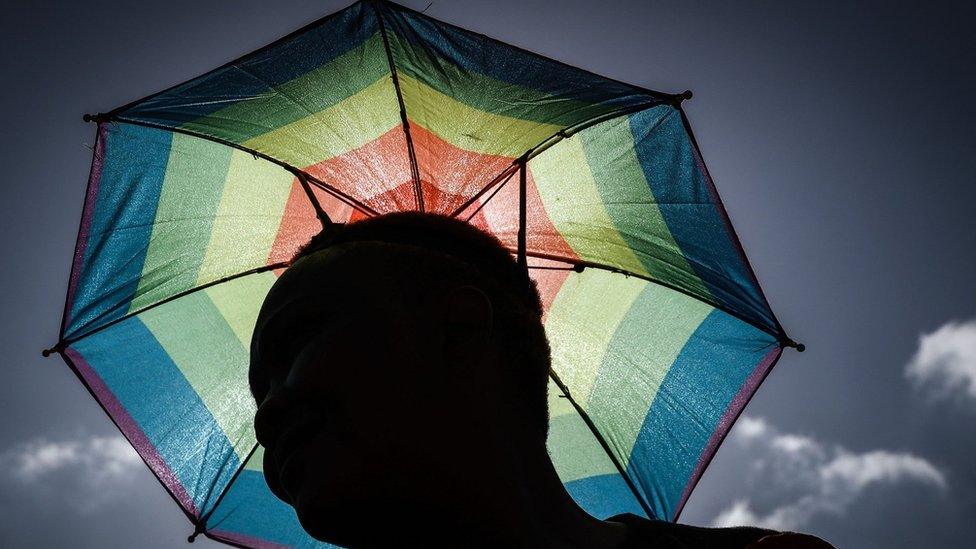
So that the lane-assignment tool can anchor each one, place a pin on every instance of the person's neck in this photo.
(523, 503)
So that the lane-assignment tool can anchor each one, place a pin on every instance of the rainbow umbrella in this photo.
(200, 194)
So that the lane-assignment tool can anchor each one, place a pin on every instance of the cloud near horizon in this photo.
(812, 478)
(945, 361)
(84, 472)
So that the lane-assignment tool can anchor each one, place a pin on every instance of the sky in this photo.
(841, 136)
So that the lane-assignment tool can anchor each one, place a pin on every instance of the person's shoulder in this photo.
(646, 533)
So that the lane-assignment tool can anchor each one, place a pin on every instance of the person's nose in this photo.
(270, 418)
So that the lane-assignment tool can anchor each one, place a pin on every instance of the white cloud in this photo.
(812, 478)
(85, 472)
(738, 514)
(751, 427)
(795, 444)
(860, 470)
(945, 360)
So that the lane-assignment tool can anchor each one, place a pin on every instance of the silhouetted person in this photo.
(400, 368)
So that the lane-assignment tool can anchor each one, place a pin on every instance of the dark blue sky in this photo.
(841, 136)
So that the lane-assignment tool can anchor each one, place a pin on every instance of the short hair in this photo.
(485, 262)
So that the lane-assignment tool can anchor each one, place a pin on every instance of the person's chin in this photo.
(344, 521)
(331, 505)
(371, 522)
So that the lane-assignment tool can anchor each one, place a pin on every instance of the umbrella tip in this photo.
(56, 349)
(678, 98)
(798, 346)
(197, 530)
(93, 117)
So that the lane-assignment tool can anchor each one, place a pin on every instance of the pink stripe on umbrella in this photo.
(735, 408)
(246, 541)
(94, 178)
(131, 430)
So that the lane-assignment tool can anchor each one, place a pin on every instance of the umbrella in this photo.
(199, 195)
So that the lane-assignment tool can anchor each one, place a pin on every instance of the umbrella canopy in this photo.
(199, 196)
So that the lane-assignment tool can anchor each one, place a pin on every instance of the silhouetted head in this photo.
(392, 364)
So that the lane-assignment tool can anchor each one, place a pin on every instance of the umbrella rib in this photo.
(81, 225)
(411, 153)
(520, 255)
(355, 204)
(581, 264)
(606, 447)
(247, 57)
(693, 482)
(492, 195)
(564, 133)
(74, 368)
(531, 53)
(203, 519)
(220, 539)
(64, 343)
(319, 212)
(553, 268)
(728, 220)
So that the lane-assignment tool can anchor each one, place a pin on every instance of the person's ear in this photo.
(468, 318)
